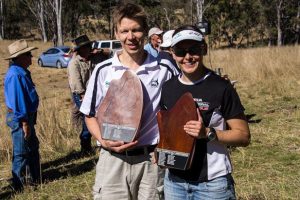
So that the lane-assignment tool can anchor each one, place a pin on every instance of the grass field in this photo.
(268, 84)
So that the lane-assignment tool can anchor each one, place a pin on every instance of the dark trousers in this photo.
(85, 135)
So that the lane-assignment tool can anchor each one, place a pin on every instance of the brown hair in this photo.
(131, 11)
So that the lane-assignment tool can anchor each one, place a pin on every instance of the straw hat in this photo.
(17, 48)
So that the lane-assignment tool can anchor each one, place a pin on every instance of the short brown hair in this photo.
(130, 11)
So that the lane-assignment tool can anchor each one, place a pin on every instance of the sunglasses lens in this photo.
(195, 50)
(179, 52)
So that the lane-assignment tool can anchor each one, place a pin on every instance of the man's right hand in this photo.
(26, 130)
(117, 146)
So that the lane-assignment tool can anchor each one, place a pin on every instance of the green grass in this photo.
(68, 177)
(268, 169)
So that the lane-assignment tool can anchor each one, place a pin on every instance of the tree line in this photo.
(233, 23)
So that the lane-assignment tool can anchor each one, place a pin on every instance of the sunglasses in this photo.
(194, 50)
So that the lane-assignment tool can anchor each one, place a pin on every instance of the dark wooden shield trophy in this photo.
(176, 148)
(120, 112)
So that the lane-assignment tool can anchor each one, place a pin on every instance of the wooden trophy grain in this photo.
(176, 148)
(120, 112)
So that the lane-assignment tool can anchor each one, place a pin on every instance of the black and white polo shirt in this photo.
(152, 76)
(218, 102)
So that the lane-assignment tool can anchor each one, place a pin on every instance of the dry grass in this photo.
(268, 84)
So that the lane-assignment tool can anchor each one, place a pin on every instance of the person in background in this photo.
(79, 72)
(126, 170)
(155, 40)
(98, 55)
(54, 40)
(22, 103)
(221, 122)
(165, 48)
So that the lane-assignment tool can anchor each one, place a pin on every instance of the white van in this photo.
(113, 45)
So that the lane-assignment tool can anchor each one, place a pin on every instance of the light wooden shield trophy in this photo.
(120, 112)
(176, 148)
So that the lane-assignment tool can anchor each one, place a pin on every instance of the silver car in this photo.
(55, 57)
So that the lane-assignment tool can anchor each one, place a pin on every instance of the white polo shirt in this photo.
(152, 76)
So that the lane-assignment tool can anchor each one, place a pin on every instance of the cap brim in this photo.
(166, 44)
(21, 52)
(156, 33)
(187, 35)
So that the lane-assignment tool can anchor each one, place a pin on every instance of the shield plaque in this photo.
(176, 147)
(120, 112)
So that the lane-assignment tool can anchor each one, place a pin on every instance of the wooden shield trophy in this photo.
(120, 112)
(176, 147)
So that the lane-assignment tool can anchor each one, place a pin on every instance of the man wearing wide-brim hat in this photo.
(22, 102)
(79, 71)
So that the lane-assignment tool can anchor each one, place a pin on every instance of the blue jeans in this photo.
(176, 188)
(85, 135)
(25, 152)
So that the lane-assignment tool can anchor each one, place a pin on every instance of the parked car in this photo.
(55, 57)
(113, 45)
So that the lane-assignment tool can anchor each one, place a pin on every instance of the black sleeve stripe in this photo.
(168, 67)
(93, 103)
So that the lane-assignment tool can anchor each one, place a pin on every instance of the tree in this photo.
(279, 7)
(58, 11)
(37, 9)
(298, 25)
(1, 20)
(199, 6)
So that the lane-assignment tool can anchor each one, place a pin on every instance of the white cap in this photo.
(167, 39)
(187, 35)
(155, 31)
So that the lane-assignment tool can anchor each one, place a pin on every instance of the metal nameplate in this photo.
(172, 159)
(118, 132)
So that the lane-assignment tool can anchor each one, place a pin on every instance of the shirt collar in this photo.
(195, 82)
(20, 69)
(117, 65)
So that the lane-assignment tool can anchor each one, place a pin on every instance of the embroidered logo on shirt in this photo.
(201, 104)
(154, 83)
(107, 83)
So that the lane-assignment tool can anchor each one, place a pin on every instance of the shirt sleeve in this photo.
(231, 105)
(15, 94)
(172, 70)
(93, 95)
(75, 79)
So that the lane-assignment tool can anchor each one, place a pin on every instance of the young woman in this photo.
(221, 122)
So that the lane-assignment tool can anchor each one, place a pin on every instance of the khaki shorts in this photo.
(127, 177)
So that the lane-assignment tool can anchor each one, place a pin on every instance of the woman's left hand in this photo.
(196, 128)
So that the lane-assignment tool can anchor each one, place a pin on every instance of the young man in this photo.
(155, 40)
(221, 122)
(22, 103)
(125, 170)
